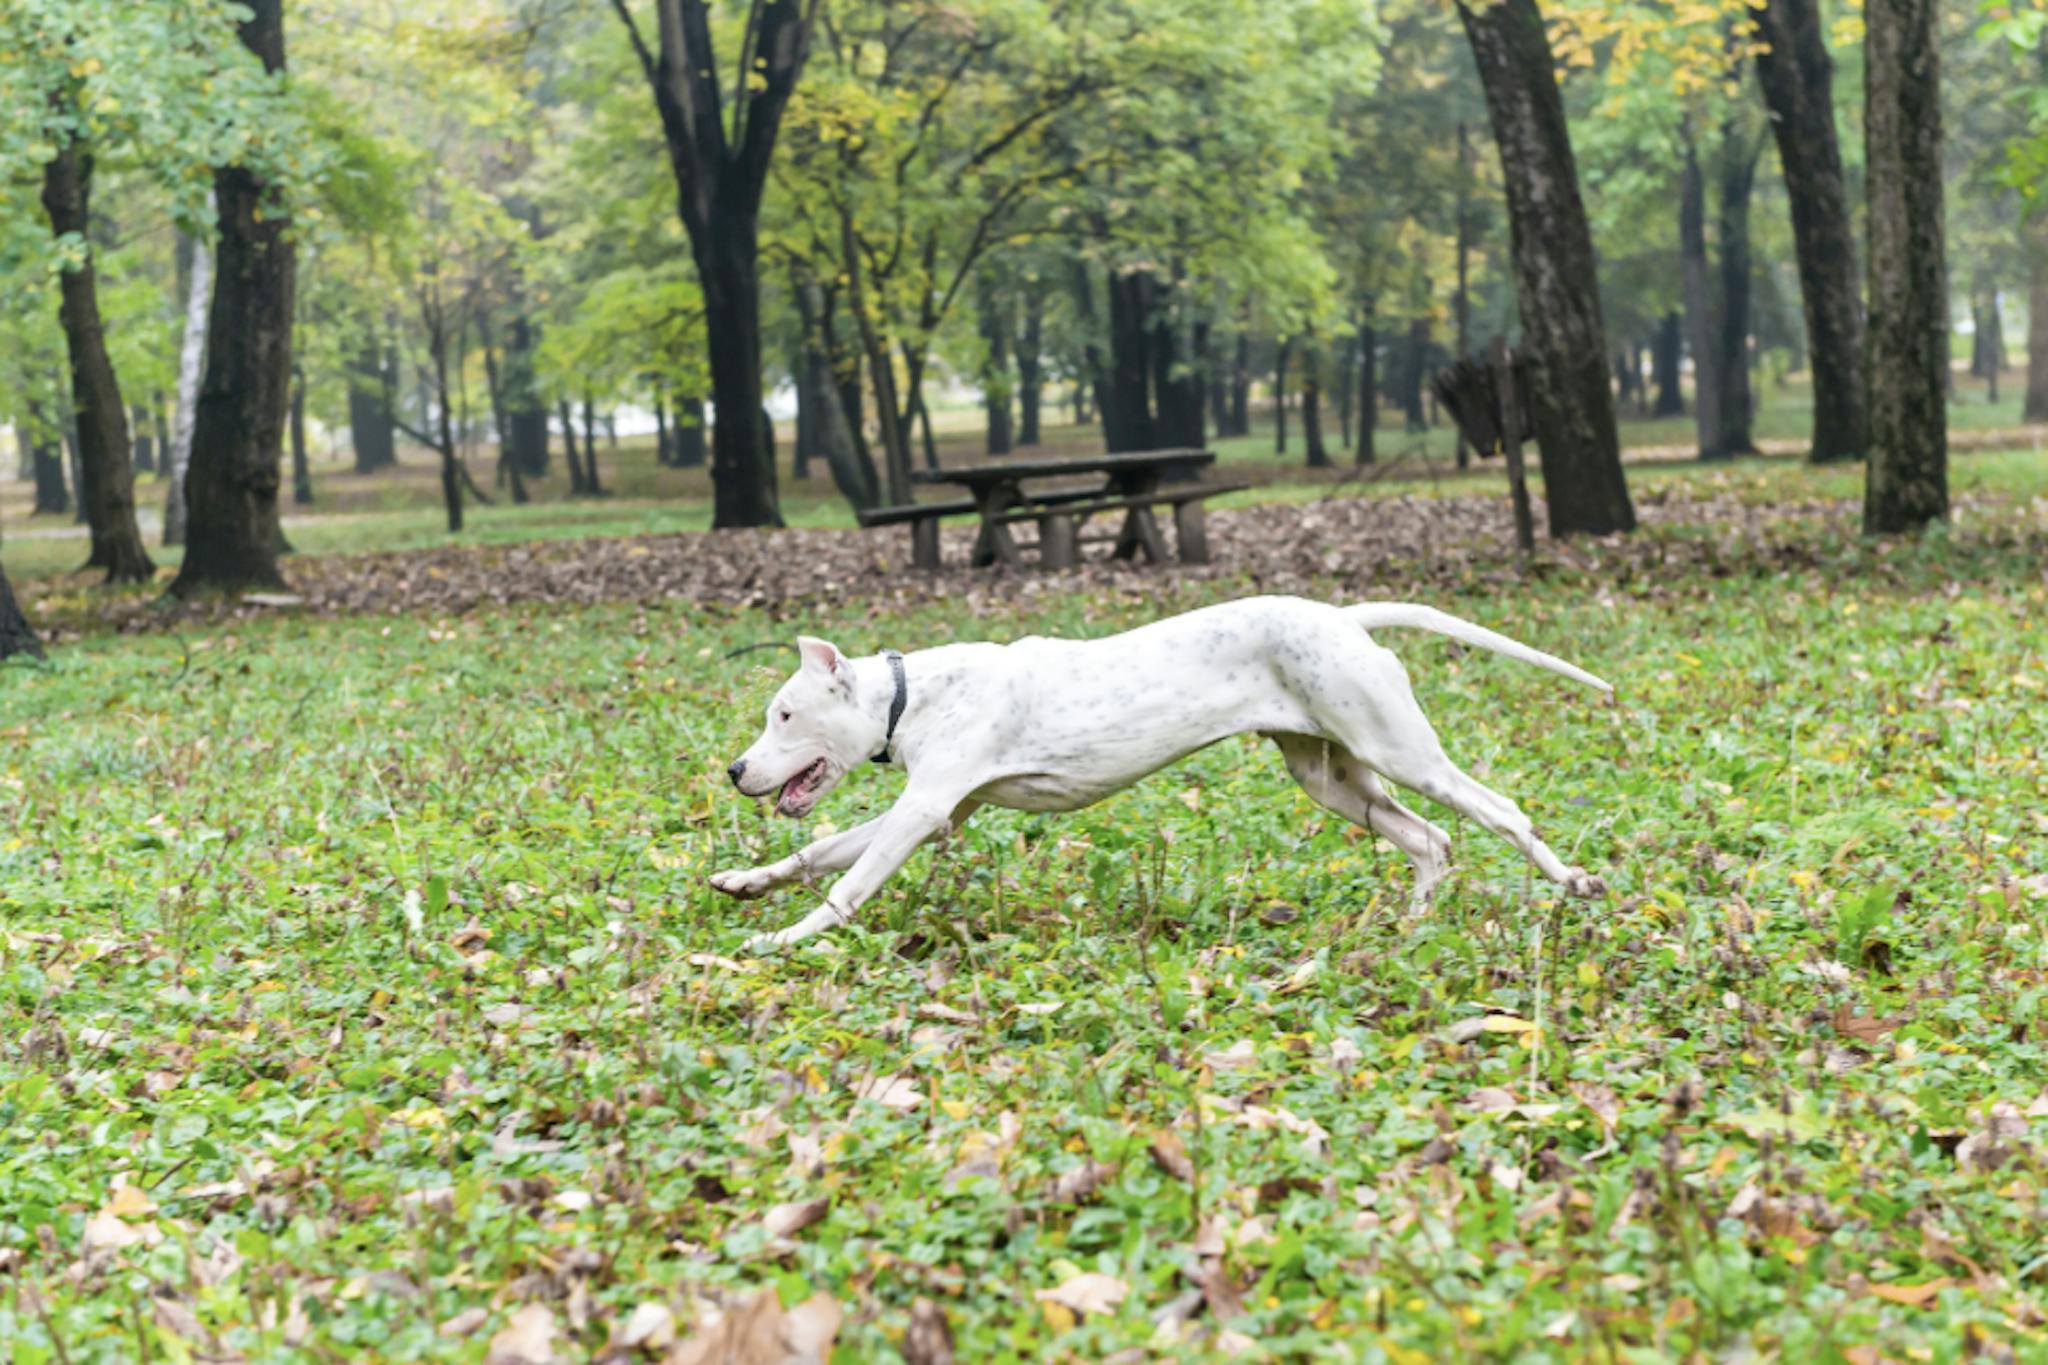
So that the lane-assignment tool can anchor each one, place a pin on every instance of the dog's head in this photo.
(816, 732)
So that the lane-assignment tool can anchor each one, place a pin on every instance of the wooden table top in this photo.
(999, 470)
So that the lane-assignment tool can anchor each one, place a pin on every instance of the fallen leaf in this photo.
(464, 1323)
(1239, 1056)
(1171, 1156)
(896, 1092)
(1912, 1295)
(786, 1220)
(1088, 1292)
(1078, 1185)
(759, 1332)
(651, 1326)
(527, 1339)
(1864, 1028)
(930, 1338)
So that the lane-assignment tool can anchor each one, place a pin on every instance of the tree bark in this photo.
(1797, 77)
(106, 488)
(719, 178)
(689, 436)
(17, 636)
(1667, 355)
(577, 484)
(1414, 364)
(1031, 368)
(526, 415)
(1702, 318)
(141, 439)
(1368, 384)
(46, 460)
(302, 475)
(1347, 359)
(853, 472)
(233, 537)
(1283, 353)
(370, 430)
(1127, 422)
(2035, 408)
(1556, 280)
(1462, 300)
(593, 485)
(1312, 407)
(1739, 151)
(1178, 419)
(1001, 436)
(1241, 386)
(1907, 477)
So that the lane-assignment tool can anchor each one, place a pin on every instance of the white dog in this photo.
(1055, 725)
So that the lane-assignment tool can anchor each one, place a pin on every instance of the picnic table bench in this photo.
(1005, 492)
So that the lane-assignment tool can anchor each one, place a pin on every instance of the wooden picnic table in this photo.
(1006, 491)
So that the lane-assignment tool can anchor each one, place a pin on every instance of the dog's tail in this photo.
(1374, 615)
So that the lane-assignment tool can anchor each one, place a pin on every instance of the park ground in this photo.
(361, 997)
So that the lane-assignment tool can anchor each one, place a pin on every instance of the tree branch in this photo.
(639, 43)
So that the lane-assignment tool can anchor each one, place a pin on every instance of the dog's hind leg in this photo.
(1404, 749)
(1335, 779)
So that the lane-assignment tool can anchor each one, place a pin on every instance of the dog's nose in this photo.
(737, 771)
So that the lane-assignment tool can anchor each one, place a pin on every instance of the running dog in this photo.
(1055, 725)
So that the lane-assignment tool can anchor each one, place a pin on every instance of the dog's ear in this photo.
(821, 656)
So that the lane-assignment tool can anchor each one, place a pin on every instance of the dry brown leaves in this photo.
(1363, 546)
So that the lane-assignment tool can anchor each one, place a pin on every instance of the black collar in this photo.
(896, 703)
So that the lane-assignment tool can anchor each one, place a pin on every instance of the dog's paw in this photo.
(1583, 884)
(745, 883)
(762, 945)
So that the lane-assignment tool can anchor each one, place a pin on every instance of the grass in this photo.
(372, 959)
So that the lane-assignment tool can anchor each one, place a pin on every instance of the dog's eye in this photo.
(784, 717)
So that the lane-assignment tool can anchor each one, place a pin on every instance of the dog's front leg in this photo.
(829, 854)
(833, 853)
(910, 822)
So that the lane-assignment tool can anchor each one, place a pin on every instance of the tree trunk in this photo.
(591, 483)
(17, 636)
(1415, 362)
(526, 415)
(1987, 348)
(743, 489)
(1127, 422)
(1556, 280)
(141, 439)
(1283, 352)
(1312, 407)
(1702, 319)
(1031, 367)
(1241, 387)
(106, 489)
(46, 459)
(233, 537)
(1667, 356)
(1907, 480)
(191, 369)
(664, 441)
(2035, 409)
(1368, 384)
(52, 496)
(806, 417)
(1462, 299)
(577, 484)
(1797, 77)
(853, 472)
(719, 182)
(690, 434)
(1178, 422)
(162, 424)
(1347, 358)
(994, 320)
(370, 430)
(302, 475)
(1739, 152)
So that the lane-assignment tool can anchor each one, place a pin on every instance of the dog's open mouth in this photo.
(800, 791)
